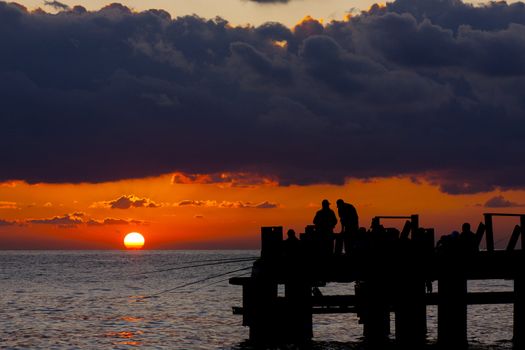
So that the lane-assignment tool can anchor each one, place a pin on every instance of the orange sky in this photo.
(225, 215)
(238, 12)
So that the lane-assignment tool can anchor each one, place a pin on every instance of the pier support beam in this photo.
(262, 308)
(452, 311)
(375, 314)
(298, 317)
(410, 309)
(519, 314)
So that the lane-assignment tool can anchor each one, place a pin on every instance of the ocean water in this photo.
(119, 300)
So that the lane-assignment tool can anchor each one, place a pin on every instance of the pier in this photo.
(393, 272)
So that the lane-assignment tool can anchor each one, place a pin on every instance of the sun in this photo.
(134, 240)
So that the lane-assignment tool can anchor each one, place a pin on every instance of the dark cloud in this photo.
(7, 223)
(226, 204)
(266, 205)
(429, 89)
(226, 179)
(501, 202)
(126, 202)
(65, 221)
(74, 220)
(57, 5)
(453, 14)
(113, 221)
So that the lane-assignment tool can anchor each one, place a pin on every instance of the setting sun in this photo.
(134, 240)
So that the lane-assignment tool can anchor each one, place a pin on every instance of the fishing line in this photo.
(190, 266)
(210, 260)
(195, 282)
(219, 281)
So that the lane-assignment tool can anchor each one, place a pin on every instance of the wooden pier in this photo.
(393, 271)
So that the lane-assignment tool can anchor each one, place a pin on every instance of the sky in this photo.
(237, 12)
(196, 130)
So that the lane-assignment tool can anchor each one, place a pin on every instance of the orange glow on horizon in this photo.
(221, 213)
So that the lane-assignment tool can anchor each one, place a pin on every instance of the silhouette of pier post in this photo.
(519, 290)
(410, 304)
(452, 305)
(262, 293)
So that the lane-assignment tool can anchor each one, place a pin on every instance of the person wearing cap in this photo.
(349, 226)
(325, 219)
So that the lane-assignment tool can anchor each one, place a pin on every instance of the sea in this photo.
(170, 300)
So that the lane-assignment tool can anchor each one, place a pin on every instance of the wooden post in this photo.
(522, 225)
(489, 232)
(452, 308)
(516, 234)
(414, 221)
(263, 312)
(519, 313)
(298, 317)
(410, 308)
(375, 312)
(519, 293)
(264, 309)
(479, 233)
(271, 241)
(410, 303)
(405, 233)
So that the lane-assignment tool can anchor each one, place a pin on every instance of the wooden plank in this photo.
(514, 238)
(522, 225)
(337, 303)
(502, 214)
(479, 233)
(392, 217)
(519, 314)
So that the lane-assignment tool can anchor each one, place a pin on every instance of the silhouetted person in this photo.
(449, 244)
(325, 219)
(325, 222)
(468, 239)
(291, 245)
(349, 226)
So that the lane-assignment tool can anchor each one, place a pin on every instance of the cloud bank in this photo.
(126, 202)
(226, 204)
(74, 220)
(432, 89)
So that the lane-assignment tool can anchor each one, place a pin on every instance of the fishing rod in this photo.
(195, 282)
(198, 265)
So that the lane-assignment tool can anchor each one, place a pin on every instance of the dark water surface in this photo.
(106, 300)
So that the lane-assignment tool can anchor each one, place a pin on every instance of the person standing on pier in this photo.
(325, 221)
(468, 239)
(349, 226)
